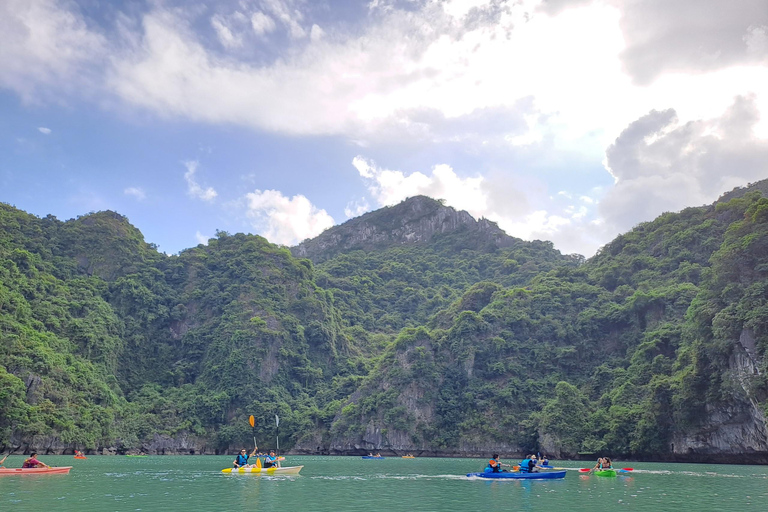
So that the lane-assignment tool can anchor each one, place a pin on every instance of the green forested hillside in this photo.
(455, 344)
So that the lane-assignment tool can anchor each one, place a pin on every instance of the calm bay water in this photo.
(195, 483)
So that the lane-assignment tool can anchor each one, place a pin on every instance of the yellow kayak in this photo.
(290, 470)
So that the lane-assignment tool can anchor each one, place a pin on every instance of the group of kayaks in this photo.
(547, 472)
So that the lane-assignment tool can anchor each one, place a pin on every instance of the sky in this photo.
(563, 120)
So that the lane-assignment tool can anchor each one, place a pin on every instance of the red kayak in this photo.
(35, 471)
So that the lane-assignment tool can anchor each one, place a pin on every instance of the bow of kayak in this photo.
(290, 470)
(35, 471)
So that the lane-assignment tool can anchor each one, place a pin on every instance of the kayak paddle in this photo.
(252, 421)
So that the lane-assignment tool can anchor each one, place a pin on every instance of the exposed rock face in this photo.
(415, 220)
(737, 431)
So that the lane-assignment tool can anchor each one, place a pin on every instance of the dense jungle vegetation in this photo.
(438, 346)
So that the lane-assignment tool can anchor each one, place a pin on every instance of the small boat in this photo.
(81, 457)
(290, 470)
(521, 476)
(372, 457)
(35, 471)
(605, 472)
(408, 457)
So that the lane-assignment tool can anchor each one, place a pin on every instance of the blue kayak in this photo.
(521, 476)
(371, 457)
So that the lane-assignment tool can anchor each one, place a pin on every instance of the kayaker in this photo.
(3, 460)
(528, 465)
(32, 462)
(271, 460)
(603, 463)
(495, 465)
(241, 460)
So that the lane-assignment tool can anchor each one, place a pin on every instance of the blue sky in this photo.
(564, 120)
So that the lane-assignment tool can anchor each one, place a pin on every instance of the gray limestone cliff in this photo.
(415, 220)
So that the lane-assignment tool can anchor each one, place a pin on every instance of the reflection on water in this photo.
(195, 483)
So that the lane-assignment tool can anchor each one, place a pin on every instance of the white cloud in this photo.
(316, 33)
(661, 164)
(262, 24)
(390, 187)
(288, 15)
(225, 34)
(193, 188)
(284, 220)
(356, 208)
(756, 40)
(46, 48)
(136, 192)
(44, 130)
(408, 71)
(201, 238)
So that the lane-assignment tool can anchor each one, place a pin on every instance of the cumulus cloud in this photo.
(496, 199)
(136, 192)
(390, 187)
(663, 165)
(262, 24)
(193, 187)
(226, 36)
(44, 130)
(691, 35)
(284, 220)
(46, 47)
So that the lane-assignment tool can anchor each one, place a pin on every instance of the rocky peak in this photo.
(416, 220)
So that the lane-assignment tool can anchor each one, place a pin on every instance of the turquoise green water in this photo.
(195, 483)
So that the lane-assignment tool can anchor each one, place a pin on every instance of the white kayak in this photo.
(290, 470)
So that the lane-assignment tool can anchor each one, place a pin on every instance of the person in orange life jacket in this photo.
(32, 462)
(242, 458)
(495, 465)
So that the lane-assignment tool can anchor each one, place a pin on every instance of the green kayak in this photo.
(605, 472)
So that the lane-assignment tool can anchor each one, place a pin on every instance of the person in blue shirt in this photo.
(241, 460)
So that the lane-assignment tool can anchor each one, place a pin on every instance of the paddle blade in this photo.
(258, 463)
(628, 469)
(252, 421)
(584, 470)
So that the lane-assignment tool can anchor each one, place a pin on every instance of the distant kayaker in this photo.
(495, 465)
(32, 462)
(3, 460)
(241, 460)
(603, 463)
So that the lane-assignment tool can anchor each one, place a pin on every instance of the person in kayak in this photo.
(241, 461)
(528, 465)
(271, 460)
(495, 465)
(603, 463)
(32, 462)
(3, 460)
